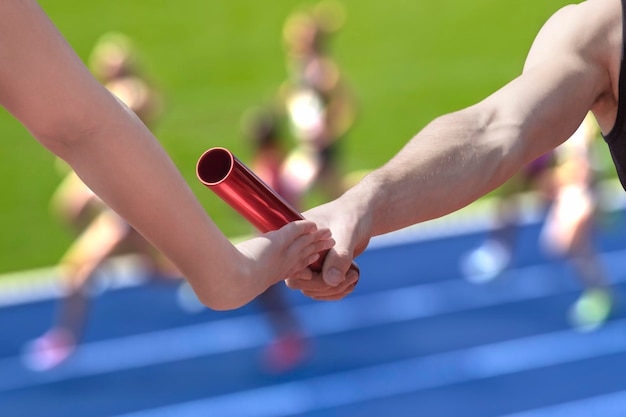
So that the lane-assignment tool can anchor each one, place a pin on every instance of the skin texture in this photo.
(572, 68)
(45, 85)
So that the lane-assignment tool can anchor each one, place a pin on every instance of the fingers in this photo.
(304, 243)
(299, 227)
(318, 289)
(305, 237)
(303, 275)
(309, 248)
(336, 266)
(334, 296)
(336, 279)
(316, 285)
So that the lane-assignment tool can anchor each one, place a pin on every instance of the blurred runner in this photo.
(319, 106)
(565, 180)
(289, 348)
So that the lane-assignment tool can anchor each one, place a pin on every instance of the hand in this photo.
(351, 235)
(279, 254)
(313, 285)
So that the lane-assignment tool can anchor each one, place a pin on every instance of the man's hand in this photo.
(336, 280)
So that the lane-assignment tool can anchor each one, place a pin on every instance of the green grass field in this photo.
(408, 61)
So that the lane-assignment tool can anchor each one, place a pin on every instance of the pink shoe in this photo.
(49, 350)
(285, 353)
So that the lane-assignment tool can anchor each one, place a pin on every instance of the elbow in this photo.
(61, 135)
(221, 297)
(225, 286)
(219, 303)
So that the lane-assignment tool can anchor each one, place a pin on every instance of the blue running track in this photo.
(414, 339)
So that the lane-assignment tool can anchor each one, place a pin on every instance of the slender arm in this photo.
(45, 85)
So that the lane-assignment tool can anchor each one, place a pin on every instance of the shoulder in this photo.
(593, 25)
(586, 37)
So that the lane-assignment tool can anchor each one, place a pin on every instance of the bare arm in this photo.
(572, 67)
(462, 156)
(46, 86)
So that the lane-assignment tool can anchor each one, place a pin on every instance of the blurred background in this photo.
(406, 63)
(468, 315)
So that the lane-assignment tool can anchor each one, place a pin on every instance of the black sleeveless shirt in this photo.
(616, 138)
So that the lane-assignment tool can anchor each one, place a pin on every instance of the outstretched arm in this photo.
(45, 85)
(572, 67)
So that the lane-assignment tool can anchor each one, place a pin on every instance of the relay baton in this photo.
(221, 172)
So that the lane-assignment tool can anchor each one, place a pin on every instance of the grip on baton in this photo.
(221, 172)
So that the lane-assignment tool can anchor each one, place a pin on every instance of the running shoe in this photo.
(285, 353)
(49, 350)
(591, 310)
(486, 262)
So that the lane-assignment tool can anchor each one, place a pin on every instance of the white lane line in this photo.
(358, 312)
(608, 405)
(407, 376)
(45, 284)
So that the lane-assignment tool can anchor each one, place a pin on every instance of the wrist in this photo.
(364, 202)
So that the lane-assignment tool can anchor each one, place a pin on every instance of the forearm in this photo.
(463, 155)
(126, 167)
(46, 86)
(573, 67)
(449, 164)
(453, 161)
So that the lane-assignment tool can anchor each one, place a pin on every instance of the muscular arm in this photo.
(464, 155)
(572, 67)
(46, 86)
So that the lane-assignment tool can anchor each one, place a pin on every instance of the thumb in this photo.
(336, 266)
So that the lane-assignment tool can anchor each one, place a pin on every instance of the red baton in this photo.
(220, 171)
